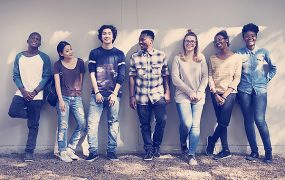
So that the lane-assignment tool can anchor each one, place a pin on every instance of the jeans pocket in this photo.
(161, 101)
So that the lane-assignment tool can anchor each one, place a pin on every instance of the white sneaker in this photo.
(64, 156)
(72, 154)
(192, 161)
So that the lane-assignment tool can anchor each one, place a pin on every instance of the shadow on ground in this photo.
(169, 166)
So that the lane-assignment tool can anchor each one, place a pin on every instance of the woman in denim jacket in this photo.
(68, 75)
(257, 71)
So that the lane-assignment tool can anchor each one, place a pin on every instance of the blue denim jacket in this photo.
(257, 70)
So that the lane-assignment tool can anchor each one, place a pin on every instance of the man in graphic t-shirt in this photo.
(32, 69)
(107, 72)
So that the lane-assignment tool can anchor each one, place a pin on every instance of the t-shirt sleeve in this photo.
(56, 67)
(121, 68)
(82, 67)
(92, 62)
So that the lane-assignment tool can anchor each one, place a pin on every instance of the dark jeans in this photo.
(253, 107)
(30, 110)
(223, 114)
(144, 113)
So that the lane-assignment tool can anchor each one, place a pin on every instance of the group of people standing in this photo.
(228, 74)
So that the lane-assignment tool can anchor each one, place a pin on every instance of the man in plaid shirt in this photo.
(149, 91)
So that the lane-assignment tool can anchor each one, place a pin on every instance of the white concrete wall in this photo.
(78, 21)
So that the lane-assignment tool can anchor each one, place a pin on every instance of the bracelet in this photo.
(97, 92)
(114, 94)
(36, 91)
(131, 97)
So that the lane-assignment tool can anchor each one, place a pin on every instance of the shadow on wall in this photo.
(169, 41)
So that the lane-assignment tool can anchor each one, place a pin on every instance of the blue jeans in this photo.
(30, 110)
(223, 114)
(144, 113)
(95, 112)
(73, 104)
(190, 116)
(253, 107)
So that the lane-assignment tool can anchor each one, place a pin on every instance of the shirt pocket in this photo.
(245, 64)
(141, 71)
(260, 62)
(156, 69)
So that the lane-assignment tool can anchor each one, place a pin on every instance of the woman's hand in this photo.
(199, 96)
(167, 97)
(219, 99)
(193, 97)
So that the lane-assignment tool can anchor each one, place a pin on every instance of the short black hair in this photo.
(34, 33)
(60, 48)
(250, 27)
(148, 33)
(113, 29)
(225, 36)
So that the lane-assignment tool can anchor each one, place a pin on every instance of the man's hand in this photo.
(26, 94)
(112, 99)
(99, 98)
(133, 102)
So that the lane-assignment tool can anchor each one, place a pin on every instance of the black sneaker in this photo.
(222, 155)
(92, 157)
(112, 156)
(210, 146)
(268, 157)
(252, 157)
(156, 152)
(29, 157)
(148, 156)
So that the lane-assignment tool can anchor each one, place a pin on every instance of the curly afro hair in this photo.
(250, 27)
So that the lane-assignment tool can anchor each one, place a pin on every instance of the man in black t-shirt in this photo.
(107, 71)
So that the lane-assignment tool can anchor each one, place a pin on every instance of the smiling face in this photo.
(250, 38)
(67, 52)
(190, 42)
(107, 36)
(34, 40)
(220, 42)
(145, 42)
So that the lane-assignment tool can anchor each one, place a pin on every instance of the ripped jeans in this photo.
(73, 104)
